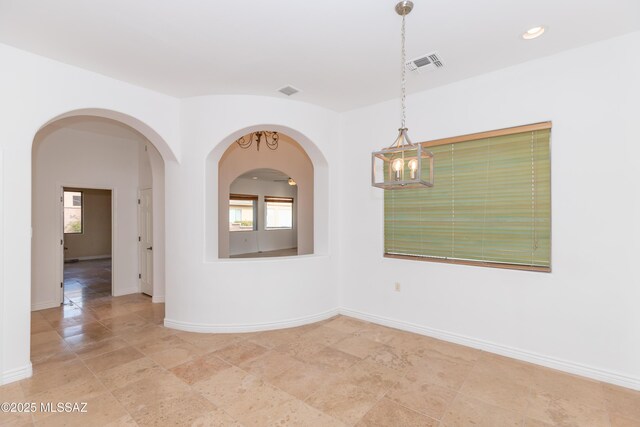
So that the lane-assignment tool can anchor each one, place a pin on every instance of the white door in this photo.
(146, 241)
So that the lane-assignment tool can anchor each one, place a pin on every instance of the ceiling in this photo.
(340, 54)
(265, 175)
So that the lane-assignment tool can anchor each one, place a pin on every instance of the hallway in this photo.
(87, 280)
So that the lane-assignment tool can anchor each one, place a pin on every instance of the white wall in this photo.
(74, 158)
(585, 312)
(208, 293)
(243, 242)
(34, 91)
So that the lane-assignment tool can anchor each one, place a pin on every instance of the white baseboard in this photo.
(88, 258)
(254, 327)
(157, 298)
(126, 291)
(45, 304)
(515, 353)
(16, 374)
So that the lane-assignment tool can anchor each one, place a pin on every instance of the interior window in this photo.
(243, 212)
(72, 212)
(279, 212)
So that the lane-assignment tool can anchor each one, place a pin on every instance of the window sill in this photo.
(472, 263)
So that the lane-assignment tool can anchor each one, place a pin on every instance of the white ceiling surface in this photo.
(341, 54)
(265, 175)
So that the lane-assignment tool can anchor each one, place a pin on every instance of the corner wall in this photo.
(583, 317)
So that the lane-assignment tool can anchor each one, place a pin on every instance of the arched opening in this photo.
(249, 178)
(263, 215)
(77, 159)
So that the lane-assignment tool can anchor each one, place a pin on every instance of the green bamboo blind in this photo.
(491, 204)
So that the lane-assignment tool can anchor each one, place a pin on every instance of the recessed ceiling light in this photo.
(254, 177)
(533, 33)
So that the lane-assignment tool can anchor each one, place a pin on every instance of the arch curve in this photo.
(147, 131)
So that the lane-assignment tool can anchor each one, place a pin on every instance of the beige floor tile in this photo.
(496, 390)
(215, 418)
(88, 328)
(387, 413)
(199, 369)
(170, 351)
(128, 373)
(273, 339)
(124, 323)
(48, 379)
(227, 386)
(93, 349)
(113, 359)
(182, 410)
(334, 358)
(468, 411)
(268, 365)
(343, 401)
(240, 352)
(101, 410)
(395, 358)
(428, 399)
(358, 346)
(326, 335)
(623, 402)
(301, 348)
(560, 385)
(621, 421)
(139, 397)
(45, 337)
(371, 376)
(290, 413)
(75, 391)
(301, 379)
(254, 401)
(210, 342)
(562, 412)
(346, 324)
(443, 372)
(140, 334)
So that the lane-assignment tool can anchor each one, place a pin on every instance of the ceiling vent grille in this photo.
(429, 62)
(288, 90)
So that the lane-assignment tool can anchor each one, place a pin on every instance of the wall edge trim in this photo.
(44, 305)
(504, 350)
(16, 374)
(249, 327)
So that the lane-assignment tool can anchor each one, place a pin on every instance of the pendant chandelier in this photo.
(269, 138)
(403, 164)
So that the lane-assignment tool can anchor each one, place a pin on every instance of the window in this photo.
(243, 212)
(279, 212)
(72, 207)
(491, 203)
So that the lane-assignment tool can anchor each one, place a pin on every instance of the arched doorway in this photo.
(88, 151)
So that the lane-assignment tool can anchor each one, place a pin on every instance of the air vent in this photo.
(288, 90)
(428, 62)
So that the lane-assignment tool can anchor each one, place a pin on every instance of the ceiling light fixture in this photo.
(291, 181)
(402, 164)
(270, 138)
(533, 33)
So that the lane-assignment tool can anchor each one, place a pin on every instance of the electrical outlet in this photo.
(397, 287)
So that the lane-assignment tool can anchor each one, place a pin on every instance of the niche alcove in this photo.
(265, 198)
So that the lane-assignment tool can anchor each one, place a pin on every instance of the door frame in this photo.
(60, 190)
(140, 245)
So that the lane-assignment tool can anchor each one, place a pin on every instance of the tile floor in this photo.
(114, 354)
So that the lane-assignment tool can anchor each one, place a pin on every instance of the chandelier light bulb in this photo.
(397, 165)
(413, 167)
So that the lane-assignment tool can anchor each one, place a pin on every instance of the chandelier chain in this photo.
(403, 70)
